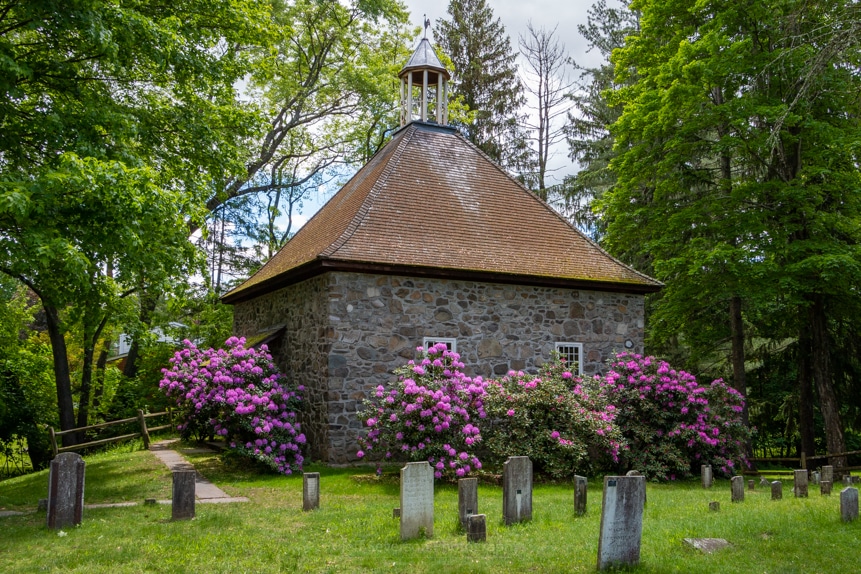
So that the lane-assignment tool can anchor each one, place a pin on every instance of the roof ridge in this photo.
(558, 215)
(371, 198)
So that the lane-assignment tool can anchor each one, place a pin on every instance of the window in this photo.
(431, 341)
(572, 353)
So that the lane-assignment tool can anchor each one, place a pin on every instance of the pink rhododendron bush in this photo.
(433, 412)
(564, 424)
(673, 424)
(239, 394)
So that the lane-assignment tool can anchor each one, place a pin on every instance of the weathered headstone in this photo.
(621, 521)
(847, 480)
(517, 490)
(580, 486)
(849, 504)
(182, 503)
(633, 473)
(416, 500)
(706, 474)
(737, 486)
(467, 499)
(66, 490)
(764, 482)
(751, 485)
(776, 490)
(714, 506)
(310, 491)
(706, 545)
(816, 477)
(828, 474)
(854, 479)
(825, 487)
(800, 485)
(476, 528)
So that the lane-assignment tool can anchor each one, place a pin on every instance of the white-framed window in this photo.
(572, 353)
(449, 342)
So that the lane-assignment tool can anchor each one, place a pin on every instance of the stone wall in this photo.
(373, 324)
(302, 352)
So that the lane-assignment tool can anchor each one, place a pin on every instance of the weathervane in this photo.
(427, 24)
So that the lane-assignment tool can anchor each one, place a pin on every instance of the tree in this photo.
(116, 119)
(547, 81)
(485, 77)
(737, 176)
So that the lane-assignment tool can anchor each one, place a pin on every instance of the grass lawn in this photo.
(354, 531)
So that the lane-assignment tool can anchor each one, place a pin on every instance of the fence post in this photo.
(53, 440)
(170, 418)
(144, 432)
(804, 460)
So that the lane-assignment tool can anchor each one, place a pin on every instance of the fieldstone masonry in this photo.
(344, 333)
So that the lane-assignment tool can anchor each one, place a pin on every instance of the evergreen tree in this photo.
(485, 77)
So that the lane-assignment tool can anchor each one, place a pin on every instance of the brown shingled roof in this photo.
(430, 203)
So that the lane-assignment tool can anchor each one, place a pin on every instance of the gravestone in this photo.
(828, 474)
(476, 528)
(310, 491)
(517, 490)
(621, 521)
(849, 504)
(467, 499)
(764, 482)
(43, 505)
(66, 490)
(416, 500)
(396, 512)
(825, 487)
(776, 490)
(800, 485)
(706, 474)
(580, 486)
(847, 480)
(854, 479)
(706, 545)
(751, 485)
(816, 477)
(737, 486)
(714, 506)
(182, 503)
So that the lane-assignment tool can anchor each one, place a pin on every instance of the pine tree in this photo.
(485, 77)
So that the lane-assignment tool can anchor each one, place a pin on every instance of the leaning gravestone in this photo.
(517, 490)
(580, 486)
(66, 490)
(310, 491)
(467, 499)
(828, 474)
(800, 486)
(825, 487)
(706, 474)
(849, 504)
(737, 485)
(416, 500)
(776, 490)
(621, 521)
(182, 503)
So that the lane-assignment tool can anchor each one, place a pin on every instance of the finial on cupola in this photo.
(424, 85)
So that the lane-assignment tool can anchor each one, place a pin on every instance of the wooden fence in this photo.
(804, 460)
(140, 419)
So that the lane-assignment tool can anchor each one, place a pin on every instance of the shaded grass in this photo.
(354, 531)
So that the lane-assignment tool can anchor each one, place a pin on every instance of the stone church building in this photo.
(431, 241)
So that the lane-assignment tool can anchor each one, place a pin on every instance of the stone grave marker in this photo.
(476, 528)
(43, 505)
(764, 482)
(706, 475)
(751, 485)
(580, 486)
(714, 506)
(854, 479)
(66, 490)
(706, 545)
(182, 501)
(467, 499)
(621, 521)
(825, 487)
(849, 504)
(847, 480)
(828, 474)
(517, 490)
(816, 477)
(800, 485)
(310, 491)
(737, 486)
(416, 500)
(776, 490)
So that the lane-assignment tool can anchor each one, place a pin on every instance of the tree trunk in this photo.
(65, 405)
(805, 394)
(822, 378)
(739, 378)
(101, 365)
(148, 303)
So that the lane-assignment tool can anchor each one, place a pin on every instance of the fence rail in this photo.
(140, 419)
(804, 459)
